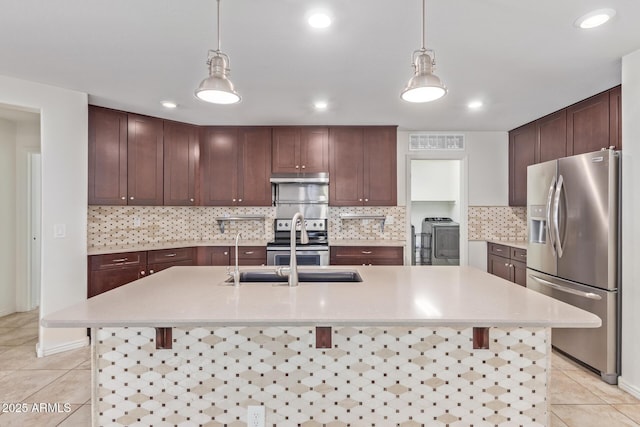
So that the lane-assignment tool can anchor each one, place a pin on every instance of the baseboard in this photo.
(41, 352)
(629, 388)
(6, 312)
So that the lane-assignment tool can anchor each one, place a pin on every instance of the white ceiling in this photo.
(523, 58)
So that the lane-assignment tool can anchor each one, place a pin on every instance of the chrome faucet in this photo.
(236, 271)
(292, 270)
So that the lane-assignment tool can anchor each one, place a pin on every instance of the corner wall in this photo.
(630, 378)
(64, 200)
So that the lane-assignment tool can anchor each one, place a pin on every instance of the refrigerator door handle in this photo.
(548, 211)
(556, 216)
(560, 288)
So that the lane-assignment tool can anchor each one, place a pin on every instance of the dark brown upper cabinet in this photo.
(181, 155)
(236, 166)
(145, 164)
(615, 117)
(588, 125)
(107, 157)
(300, 150)
(552, 136)
(362, 167)
(522, 153)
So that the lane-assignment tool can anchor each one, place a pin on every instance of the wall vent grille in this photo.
(434, 141)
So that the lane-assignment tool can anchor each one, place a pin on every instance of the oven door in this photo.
(304, 257)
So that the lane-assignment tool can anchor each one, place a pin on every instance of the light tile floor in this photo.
(578, 397)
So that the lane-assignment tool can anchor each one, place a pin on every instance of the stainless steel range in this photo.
(309, 195)
(316, 252)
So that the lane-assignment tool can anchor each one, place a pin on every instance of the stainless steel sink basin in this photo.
(303, 276)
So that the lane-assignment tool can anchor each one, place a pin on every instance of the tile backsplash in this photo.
(504, 223)
(117, 225)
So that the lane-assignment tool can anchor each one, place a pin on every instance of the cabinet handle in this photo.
(120, 260)
(170, 255)
(131, 198)
(359, 200)
(248, 252)
(366, 200)
(506, 264)
(191, 200)
(498, 250)
(225, 253)
(150, 271)
(142, 273)
(239, 200)
(303, 166)
(297, 167)
(124, 197)
(367, 252)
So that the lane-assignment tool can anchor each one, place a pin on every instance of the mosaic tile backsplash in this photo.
(116, 226)
(504, 223)
(372, 376)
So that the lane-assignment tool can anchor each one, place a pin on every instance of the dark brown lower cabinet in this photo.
(507, 262)
(110, 271)
(225, 255)
(366, 255)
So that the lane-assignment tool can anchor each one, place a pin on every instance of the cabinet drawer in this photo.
(500, 250)
(367, 251)
(154, 268)
(171, 255)
(120, 260)
(252, 255)
(518, 254)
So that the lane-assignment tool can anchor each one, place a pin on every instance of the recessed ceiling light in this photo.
(320, 105)
(474, 105)
(595, 18)
(169, 104)
(319, 20)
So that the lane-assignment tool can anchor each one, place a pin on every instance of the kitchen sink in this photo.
(303, 276)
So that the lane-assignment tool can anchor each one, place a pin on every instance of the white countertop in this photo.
(388, 295)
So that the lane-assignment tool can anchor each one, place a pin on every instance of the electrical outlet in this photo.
(390, 220)
(255, 416)
(136, 221)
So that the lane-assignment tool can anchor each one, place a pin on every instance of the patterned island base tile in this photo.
(372, 376)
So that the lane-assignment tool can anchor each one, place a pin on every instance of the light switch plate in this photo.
(59, 231)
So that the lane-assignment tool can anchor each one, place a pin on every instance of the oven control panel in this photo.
(310, 225)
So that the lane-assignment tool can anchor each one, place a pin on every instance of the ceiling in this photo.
(522, 58)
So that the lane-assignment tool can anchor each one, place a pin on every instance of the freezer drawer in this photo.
(597, 347)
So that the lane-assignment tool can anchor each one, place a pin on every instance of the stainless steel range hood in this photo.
(300, 178)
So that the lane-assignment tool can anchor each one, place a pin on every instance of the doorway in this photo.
(436, 190)
(20, 281)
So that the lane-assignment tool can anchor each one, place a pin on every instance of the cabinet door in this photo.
(519, 273)
(379, 168)
(314, 149)
(180, 163)
(588, 125)
(615, 117)
(346, 166)
(213, 255)
(522, 153)
(254, 167)
(552, 136)
(285, 156)
(219, 178)
(107, 157)
(144, 161)
(104, 280)
(499, 266)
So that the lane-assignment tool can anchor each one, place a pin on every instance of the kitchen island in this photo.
(406, 346)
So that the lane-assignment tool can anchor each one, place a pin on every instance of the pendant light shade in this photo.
(424, 86)
(217, 88)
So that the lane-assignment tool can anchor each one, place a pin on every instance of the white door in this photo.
(35, 218)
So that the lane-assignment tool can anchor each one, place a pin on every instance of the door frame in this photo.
(463, 158)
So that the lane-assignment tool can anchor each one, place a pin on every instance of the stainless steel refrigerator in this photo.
(573, 250)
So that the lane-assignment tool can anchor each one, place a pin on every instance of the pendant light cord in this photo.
(218, 1)
(424, 36)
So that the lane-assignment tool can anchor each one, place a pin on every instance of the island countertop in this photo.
(388, 295)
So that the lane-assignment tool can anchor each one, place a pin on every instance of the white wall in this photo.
(630, 379)
(64, 199)
(7, 217)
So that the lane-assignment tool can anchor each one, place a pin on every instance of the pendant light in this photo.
(424, 86)
(217, 88)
